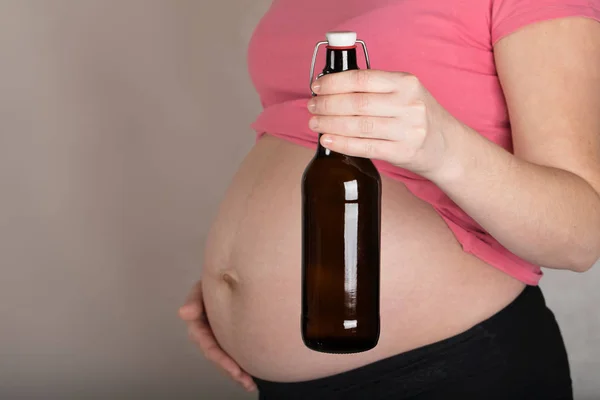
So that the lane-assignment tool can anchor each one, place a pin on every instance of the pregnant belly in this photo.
(430, 288)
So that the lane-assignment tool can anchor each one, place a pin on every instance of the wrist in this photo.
(472, 159)
(458, 158)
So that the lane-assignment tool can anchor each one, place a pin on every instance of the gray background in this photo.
(121, 124)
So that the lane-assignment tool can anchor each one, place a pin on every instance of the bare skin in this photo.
(250, 279)
(431, 288)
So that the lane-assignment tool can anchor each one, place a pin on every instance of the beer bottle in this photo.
(341, 233)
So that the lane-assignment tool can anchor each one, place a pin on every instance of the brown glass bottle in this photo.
(341, 225)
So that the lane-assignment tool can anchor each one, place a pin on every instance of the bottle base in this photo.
(340, 345)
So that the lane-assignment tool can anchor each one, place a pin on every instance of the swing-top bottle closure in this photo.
(337, 40)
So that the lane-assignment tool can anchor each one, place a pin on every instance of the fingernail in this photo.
(316, 87)
(326, 140)
(313, 124)
(312, 105)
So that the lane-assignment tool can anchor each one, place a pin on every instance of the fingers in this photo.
(363, 80)
(393, 139)
(247, 382)
(201, 334)
(193, 307)
(372, 104)
(232, 369)
(362, 127)
(190, 312)
(358, 147)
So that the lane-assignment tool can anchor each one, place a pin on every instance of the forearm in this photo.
(545, 215)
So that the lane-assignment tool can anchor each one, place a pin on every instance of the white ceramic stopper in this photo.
(341, 39)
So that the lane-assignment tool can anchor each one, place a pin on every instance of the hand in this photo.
(200, 333)
(382, 115)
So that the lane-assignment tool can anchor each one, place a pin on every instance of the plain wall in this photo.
(121, 124)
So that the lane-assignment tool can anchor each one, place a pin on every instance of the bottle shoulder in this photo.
(341, 169)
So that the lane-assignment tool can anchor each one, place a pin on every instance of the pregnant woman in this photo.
(483, 118)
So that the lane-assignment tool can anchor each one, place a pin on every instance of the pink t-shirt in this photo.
(447, 44)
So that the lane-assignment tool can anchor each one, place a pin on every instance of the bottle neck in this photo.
(338, 60)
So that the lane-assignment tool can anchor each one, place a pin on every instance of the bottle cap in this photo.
(341, 39)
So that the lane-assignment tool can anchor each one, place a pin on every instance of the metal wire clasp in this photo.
(314, 60)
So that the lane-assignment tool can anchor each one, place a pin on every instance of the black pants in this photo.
(516, 354)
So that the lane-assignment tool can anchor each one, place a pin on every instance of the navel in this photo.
(230, 277)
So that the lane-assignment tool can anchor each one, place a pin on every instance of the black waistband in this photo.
(504, 346)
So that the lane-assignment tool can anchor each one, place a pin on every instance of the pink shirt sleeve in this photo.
(511, 15)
